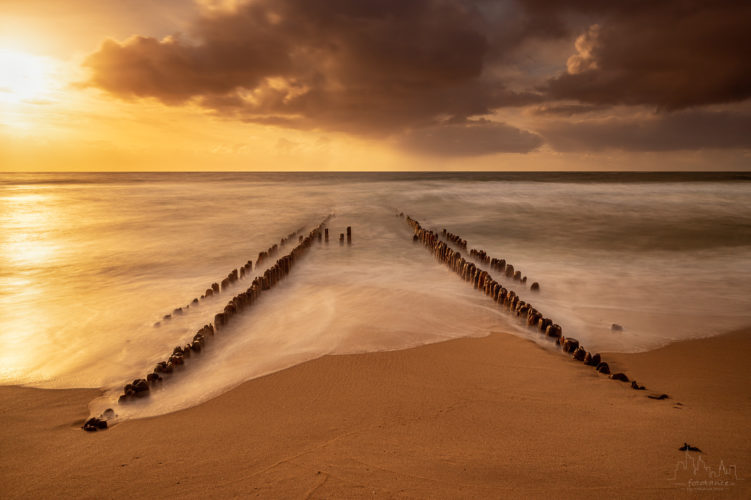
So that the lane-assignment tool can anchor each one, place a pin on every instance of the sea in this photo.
(90, 263)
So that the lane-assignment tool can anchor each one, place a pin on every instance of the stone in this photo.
(660, 397)
(636, 386)
(603, 368)
(620, 377)
(94, 424)
(615, 327)
(535, 287)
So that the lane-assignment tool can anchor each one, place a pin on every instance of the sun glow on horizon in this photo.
(26, 78)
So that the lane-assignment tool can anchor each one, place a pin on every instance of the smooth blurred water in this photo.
(88, 263)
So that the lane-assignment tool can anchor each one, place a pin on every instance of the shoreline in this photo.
(489, 416)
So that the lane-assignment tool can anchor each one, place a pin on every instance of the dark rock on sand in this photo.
(94, 424)
(603, 368)
(619, 376)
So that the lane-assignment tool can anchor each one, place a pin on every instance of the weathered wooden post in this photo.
(326, 235)
(349, 235)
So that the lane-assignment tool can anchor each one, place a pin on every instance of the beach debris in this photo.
(620, 377)
(688, 447)
(660, 397)
(615, 327)
(636, 386)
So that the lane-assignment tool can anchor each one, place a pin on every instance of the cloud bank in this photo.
(432, 74)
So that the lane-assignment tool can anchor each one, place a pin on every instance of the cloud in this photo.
(670, 55)
(685, 130)
(474, 138)
(365, 67)
(427, 74)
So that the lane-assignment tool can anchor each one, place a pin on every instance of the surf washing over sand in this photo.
(90, 262)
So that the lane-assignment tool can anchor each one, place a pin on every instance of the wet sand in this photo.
(488, 417)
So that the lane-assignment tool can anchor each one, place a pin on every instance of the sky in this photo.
(101, 85)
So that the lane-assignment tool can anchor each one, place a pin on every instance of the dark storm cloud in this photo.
(425, 71)
(669, 55)
(684, 130)
(375, 68)
(372, 65)
(470, 139)
(563, 109)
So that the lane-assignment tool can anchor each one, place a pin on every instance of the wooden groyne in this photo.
(494, 263)
(234, 276)
(177, 360)
(510, 301)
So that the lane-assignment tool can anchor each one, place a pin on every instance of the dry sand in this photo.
(478, 418)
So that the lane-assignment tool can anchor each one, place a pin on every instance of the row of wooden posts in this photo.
(234, 276)
(500, 265)
(510, 301)
(141, 388)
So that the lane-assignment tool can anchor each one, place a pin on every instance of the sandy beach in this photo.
(488, 417)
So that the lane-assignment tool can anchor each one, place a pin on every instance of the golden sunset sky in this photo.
(100, 85)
